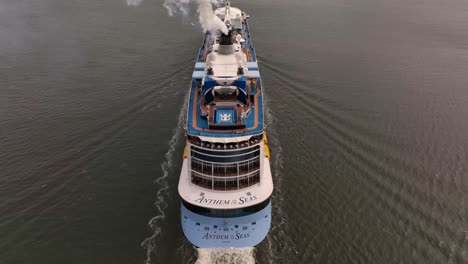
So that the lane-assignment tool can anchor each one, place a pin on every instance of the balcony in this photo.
(225, 169)
(225, 146)
(225, 183)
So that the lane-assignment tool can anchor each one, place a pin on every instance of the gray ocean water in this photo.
(367, 121)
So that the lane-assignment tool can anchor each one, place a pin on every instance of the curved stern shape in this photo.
(209, 231)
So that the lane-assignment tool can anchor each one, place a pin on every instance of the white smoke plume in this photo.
(134, 2)
(208, 20)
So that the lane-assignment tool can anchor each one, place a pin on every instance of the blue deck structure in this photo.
(199, 125)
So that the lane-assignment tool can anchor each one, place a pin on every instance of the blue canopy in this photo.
(209, 84)
(241, 83)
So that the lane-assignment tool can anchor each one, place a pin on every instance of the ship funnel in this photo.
(226, 43)
(226, 39)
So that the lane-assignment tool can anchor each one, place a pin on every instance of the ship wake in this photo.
(278, 243)
(226, 256)
(163, 185)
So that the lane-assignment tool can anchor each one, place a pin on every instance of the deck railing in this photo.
(225, 183)
(225, 146)
(225, 169)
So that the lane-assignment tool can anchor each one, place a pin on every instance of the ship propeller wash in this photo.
(226, 181)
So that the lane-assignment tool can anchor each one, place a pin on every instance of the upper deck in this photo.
(226, 90)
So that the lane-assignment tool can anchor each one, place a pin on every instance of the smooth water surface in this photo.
(367, 107)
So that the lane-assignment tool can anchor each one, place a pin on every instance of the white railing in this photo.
(225, 183)
(225, 169)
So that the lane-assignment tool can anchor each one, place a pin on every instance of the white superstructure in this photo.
(226, 180)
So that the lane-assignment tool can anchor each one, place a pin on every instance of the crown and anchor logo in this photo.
(225, 117)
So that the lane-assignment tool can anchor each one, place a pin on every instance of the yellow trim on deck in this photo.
(265, 144)
(185, 152)
(267, 151)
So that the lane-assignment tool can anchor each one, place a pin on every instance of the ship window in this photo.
(226, 159)
(254, 179)
(228, 183)
(231, 169)
(202, 181)
(226, 153)
(243, 182)
(231, 184)
(244, 167)
(223, 169)
(253, 141)
(220, 184)
(201, 166)
(219, 169)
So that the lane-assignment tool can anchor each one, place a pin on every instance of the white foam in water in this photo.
(226, 256)
(134, 2)
(281, 219)
(163, 185)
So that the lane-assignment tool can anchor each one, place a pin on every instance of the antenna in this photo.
(227, 15)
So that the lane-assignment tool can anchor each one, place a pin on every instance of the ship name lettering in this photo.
(241, 236)
(204, 200)
(243, 200)
(209, 236)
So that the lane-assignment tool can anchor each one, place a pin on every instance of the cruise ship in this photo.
(226, 181)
